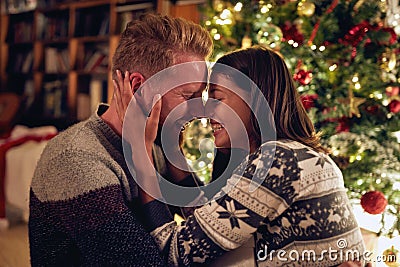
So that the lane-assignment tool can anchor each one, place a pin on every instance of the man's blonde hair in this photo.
(154, 42)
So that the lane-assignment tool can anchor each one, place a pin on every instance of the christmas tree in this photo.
(345, 57)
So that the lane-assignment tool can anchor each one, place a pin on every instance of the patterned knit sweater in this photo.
(82, 203)
(299, 216)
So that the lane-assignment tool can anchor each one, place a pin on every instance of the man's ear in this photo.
(136, 80)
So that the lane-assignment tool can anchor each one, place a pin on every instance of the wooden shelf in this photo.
(87, 39)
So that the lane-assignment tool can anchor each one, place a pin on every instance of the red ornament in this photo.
(308, 101)
(374, 202)
(394, 106)
(372, 109)
(356, 34)
(291, 32)
(344, 125)
(303, 77)
(392, 91)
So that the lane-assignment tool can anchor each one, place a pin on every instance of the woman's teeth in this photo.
(217, 127)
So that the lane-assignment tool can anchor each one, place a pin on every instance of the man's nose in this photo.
(196, 107)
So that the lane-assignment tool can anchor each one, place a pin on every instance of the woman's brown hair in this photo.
(268, 70)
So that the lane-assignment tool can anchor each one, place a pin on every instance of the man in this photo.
(83, 200)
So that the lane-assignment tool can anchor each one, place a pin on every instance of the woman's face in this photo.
(235, 119)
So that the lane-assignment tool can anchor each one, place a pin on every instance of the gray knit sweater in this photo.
(82, 203)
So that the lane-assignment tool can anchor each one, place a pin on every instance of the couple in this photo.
(87, 209)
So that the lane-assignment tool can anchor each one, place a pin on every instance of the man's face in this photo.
(180, 95)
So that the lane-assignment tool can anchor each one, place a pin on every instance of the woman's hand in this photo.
(124, 92)
(139, 130)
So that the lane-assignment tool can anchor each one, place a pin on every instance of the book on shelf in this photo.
(127, 13)
(82, 106)
(51, 26)
(20, 62)
(55, 102)
(105, 26)
(56, 60)
(28, 62)
(92, 22)
(87, 103)
(96, 59)
(41, 22)
(21, 32)
(18, 6)
(50, 3)
(29, 94)
(97, 92)
(50, 54)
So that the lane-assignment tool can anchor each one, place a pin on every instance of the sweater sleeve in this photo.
(228, 222)
(80, 215)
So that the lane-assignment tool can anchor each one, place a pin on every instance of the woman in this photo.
(297, 215)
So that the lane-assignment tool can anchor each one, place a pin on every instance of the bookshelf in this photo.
(56, 54)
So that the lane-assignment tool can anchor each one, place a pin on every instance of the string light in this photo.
(335, 152)
(226, 13)
(264, 9)
(204, 122)
(397, 135)
(355, 80)
(333, 67)
(396, 186)
(385, 102)
(238, 7)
